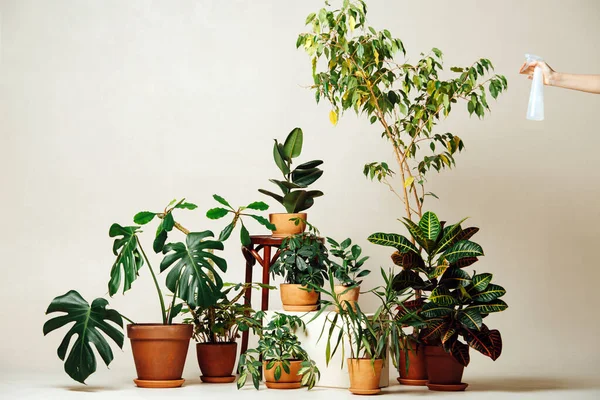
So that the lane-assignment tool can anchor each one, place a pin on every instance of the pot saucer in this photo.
(300, 308)
(412, 382)
(158, 384)
(459, 387)
(217, 379)
(284, 385)
(364, 391)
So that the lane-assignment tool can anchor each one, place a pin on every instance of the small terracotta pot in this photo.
(444, 372)
(285, 227)
(351, 295)
(294, 298)
(364, 375)
(216, 361)
(417, 369)
(286, 381)
(159, 353)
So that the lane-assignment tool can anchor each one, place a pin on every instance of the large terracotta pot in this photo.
(284, 226)
(444, 372)
(294, 298)
(286, 381)
(159, 353)
(216, 361)
(417, 368)
(364, 375)
(350, 295)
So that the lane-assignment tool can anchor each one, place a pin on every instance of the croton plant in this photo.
(455, 302)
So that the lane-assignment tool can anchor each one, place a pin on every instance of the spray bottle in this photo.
(535, 109)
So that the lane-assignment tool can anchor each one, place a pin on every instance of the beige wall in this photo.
(111, 107)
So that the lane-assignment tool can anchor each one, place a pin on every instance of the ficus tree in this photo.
(354, 67)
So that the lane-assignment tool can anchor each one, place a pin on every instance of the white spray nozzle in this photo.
(535, 109)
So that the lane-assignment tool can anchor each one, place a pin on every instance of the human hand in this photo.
(548, 73)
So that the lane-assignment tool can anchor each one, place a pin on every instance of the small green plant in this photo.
(277, 346)
(457, 301)
(193, 279)
(350, 270)
(222, 321)
(294, 198)
(220, 212)
(303, 259)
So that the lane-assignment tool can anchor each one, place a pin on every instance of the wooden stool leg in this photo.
(265, 277)
(247, 301)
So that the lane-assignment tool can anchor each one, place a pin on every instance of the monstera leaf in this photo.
(193, 277)
(129, 260)
(89, 322)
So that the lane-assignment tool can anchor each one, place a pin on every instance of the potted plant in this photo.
(349, 271)
(285, 364)
(457, 301)
(359, 71)
(293, 196)
(368, 335)
(160, 349)
(238, 216)
(302, 263)
(216, 329)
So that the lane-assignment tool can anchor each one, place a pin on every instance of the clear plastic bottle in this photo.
(535, 109)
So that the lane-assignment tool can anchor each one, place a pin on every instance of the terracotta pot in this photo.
(159, 353)
(364, 376)
(295, 299)
(286, 381)
(284, 226)
(417, 369)
(351, 295)
(444, 372)
(216, 361)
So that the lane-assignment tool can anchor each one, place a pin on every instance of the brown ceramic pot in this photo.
(286, 381)
(364, 375)
(159, 353)
(444, 372)
(285, 227)
(350, 295)
(216, 361)
(293, 298)
(416, 375)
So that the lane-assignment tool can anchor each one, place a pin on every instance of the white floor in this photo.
(19, 386)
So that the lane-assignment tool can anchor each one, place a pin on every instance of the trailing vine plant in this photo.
(354, 67)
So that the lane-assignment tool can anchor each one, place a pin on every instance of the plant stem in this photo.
(124, 317)
(160, 296)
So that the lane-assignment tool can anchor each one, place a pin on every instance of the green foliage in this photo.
(458, 301)
(222, 321)
(361, 72)
(303, 259)
(278, 343)
(89, 324)
(220, 212)
(129, 260)
(192, 276)
(294, 198)
(350, 269)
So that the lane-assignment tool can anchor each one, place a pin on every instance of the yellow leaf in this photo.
(409, 181)
(351, 23)
(333, 117)
(376, 54)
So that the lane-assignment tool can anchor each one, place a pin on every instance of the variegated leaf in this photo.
(432, 310)
(442, 296)
(470, 318)
(460, 352)
(491, 292)
(402, 244)
(462, 249)
(430, 226)
(455, 277)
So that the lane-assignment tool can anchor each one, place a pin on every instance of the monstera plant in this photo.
(193, 278)
(457, 301)
(294, 196)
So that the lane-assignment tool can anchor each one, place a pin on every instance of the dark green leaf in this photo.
(128, 259)
(244, 236)
(258, 205)
(293, 144)
(143, 217)
(216, 213)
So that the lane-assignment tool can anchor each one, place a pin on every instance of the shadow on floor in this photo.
(524, 384)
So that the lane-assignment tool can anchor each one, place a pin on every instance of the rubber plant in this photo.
(278, 346)
(456, 301)
(192, 279)
(360, 71)
(220, 212)
(293, 196)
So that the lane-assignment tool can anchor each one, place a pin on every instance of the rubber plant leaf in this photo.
(128, 261)
(192, 269)
(293, 144)
(89, 324)
(279, 158)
